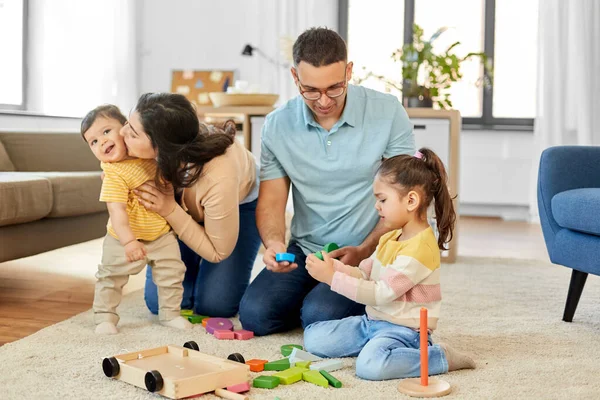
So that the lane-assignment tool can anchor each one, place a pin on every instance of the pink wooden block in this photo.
(243, 334)
(221, 324)
(224, 334)
(239, 388)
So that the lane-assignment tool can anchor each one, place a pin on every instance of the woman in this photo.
(215, 182)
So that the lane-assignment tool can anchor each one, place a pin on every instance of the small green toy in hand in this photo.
(328, 248)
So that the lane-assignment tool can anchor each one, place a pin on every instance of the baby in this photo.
(135, 236)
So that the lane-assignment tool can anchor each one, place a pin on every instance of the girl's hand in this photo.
(135, 251)
(161, 202)
(320, 270)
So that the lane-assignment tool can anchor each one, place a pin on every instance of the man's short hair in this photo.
(319, 47)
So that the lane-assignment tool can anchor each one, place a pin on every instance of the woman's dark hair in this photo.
(427, 175)
(184, 145)
(319, 47)
(106, 111)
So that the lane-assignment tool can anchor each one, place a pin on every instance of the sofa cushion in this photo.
(5, 162)
(23, 198)
(49, 151)
(578, 210)
(74, 193)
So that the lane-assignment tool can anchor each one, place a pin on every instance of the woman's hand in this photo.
(161, 202)
(320, 270)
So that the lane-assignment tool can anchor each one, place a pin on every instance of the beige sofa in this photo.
(49, 189)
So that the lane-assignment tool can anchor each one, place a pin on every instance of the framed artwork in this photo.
(196, 85)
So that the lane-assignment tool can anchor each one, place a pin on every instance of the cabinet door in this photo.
(434, 134)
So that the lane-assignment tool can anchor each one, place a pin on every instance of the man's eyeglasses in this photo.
(315, 94)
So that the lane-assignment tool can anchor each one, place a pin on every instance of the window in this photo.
(12, 29)
(374, 29)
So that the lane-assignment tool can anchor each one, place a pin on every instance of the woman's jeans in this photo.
(384, 350)
(215, 290)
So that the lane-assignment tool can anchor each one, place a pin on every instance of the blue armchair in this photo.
(569, 206)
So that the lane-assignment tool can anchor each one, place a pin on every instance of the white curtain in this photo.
(568, 101)
(281, 21)
(81, 54)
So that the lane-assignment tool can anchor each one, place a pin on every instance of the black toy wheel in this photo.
(236, 357)
(153, 381)
(110, 366)
(191, 345)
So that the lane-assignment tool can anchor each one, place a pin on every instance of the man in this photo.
(327, 142)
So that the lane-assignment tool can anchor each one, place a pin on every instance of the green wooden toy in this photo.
(279, 365)
(328, 248)
(265, 382)
(291, 375)
(332, 381)
(196, 319)
(287, 349)
(316, 378)
(187, 313)
(303, 364)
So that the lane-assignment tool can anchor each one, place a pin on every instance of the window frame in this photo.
(23, 105)
(487, 121)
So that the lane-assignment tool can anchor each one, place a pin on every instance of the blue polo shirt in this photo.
(332, 172)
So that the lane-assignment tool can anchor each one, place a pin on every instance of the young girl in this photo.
(402, 276)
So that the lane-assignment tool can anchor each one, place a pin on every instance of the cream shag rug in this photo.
(505, 313)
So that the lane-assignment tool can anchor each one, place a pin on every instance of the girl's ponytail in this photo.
(445, 215)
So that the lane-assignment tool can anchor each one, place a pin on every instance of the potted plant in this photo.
(427, 76)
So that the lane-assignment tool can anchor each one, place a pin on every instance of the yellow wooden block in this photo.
(316, 378)
(291, 375)
(303, 364)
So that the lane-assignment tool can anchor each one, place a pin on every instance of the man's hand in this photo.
(350, 255)
(271, 262)
(320, 270)
(135, 251)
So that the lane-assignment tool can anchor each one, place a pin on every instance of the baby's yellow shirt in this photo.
(120, 178)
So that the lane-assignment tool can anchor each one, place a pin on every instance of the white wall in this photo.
(15, 121)
(202, 34)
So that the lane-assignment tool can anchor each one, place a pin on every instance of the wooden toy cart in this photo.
(177, 372)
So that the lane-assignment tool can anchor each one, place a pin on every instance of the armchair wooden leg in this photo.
(575, 288)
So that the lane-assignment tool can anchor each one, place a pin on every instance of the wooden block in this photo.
(332, 381)
(204, 322)
(196, 319)
(186, 313)
(224, 334)
(266, 382)
(243, 334)
(279, 365)
(221, 324)
(316, 378)
(301, 355)
(329, 247)
(239, 388)
(229, 395)
(327, 365)
(303, 364)
(291, 375)
(256, 365)
(286, 349)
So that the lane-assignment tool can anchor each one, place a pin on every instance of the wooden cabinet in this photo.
(439, 130)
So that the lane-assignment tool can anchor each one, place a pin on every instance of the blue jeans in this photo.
(384, 350)
(277, 302)
(211, 289)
